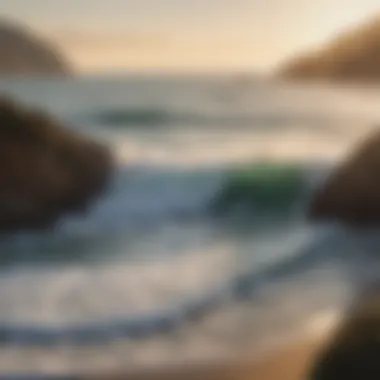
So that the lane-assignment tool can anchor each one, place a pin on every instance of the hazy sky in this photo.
(186, 34)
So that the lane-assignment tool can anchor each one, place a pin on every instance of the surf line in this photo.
(240, 288)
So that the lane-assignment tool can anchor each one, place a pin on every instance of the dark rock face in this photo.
(22, 53)
(47, 171)
(352, 193)
(354, 350)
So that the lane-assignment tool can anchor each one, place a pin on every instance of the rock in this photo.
(354, 350)
(351, 194)
(353, 56)
(23, 53)
(48, 171)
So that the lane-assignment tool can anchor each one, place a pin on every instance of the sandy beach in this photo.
(287, 363)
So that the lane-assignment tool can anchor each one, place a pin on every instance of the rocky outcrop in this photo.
(23, 53)
(47, 171)
(351, 194)
(353, 352)
(352, 56)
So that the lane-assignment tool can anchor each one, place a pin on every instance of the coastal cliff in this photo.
(352, 56)
(24, 53)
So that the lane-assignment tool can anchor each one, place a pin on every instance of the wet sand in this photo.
(287, 363)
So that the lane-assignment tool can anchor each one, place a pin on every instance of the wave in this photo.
(321, 246)
(262, 188)
(158, 117)
(178, 195)
(142, 200)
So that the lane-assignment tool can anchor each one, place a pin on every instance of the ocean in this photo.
(151, 275)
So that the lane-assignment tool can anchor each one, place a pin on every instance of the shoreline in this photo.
(286, 363)
(289, 360)
(289, 353)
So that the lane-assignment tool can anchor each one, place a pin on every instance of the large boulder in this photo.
(354, 349)
(351, 194)
(47, 170)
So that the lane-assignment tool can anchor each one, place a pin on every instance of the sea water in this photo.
(150, 275)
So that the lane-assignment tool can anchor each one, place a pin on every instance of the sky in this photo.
(188, 35)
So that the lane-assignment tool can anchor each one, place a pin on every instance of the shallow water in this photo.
(150, 271)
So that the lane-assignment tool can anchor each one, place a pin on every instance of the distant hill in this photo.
(352, 56)
(23, 53)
